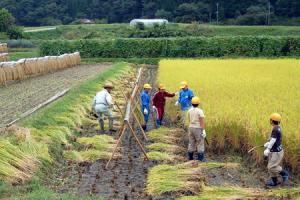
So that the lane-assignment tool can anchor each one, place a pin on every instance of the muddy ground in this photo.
(19, 97)
(125, 177)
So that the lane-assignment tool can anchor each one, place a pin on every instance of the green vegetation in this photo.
(178, 47)
(48, 132)
(251, 12)
(94, 148)
(19, 53)
(108, 31)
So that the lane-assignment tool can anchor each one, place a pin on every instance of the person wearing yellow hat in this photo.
(102, 104)
(197, 132)
(185, 96)
(145, 104)
(274, 152)
(159, 102)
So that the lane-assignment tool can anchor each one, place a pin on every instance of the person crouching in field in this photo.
(274, 151)
(145, 101)
(159, 102)
(197, 132)
(102, 105)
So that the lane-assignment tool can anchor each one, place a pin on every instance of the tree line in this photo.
(246, 12)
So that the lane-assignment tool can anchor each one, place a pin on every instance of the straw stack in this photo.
(3, 48)
(19, 70)
(4, 57)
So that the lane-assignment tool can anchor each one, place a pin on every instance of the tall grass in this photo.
(238, 95)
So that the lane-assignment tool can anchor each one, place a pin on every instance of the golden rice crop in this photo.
(238, 95)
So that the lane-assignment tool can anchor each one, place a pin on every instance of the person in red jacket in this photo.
(159, 102)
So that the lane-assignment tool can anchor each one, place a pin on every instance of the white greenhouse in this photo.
(148, 22)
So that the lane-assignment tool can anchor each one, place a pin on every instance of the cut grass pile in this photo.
(221, 193)
(94, 148)
(238, 96)
(168, 178)
(166, 145)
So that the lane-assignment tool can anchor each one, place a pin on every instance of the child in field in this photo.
(274, 151)
(159, 102)
(145, 101)
(197, 132)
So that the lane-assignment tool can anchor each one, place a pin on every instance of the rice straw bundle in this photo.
(8, 68)
(3, 48)
(2, 75)
(4, 57)
(29, 66)
(19, 68)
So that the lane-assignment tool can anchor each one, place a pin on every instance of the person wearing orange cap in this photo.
(159, 102)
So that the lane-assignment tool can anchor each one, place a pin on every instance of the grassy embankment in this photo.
(43, 139)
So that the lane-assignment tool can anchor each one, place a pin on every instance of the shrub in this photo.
(15, 32)
(20, 44)
(249, 46)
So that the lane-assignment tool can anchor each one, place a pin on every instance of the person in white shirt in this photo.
(102, 105)
(197, 132)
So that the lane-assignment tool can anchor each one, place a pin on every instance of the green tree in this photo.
(6, 20)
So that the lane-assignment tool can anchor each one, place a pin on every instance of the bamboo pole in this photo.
(116, 147)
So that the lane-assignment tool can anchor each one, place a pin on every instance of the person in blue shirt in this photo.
(145, 103)
(185, 97)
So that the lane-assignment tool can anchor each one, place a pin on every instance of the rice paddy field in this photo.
(238, 96)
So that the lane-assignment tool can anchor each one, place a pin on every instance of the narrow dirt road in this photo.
(18, 97)
(124, 179)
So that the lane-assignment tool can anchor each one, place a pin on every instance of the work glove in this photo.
(266, 144)
(176, 93)
(204, 134)
(114, 108)
(177, 103)
(154, 109)
(267, 152)
(146, 111)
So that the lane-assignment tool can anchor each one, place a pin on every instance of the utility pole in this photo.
(269, 13)
(217, 13)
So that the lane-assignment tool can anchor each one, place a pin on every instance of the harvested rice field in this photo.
(19, 97)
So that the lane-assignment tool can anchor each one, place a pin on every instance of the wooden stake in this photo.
(137, 139)
(116, 147)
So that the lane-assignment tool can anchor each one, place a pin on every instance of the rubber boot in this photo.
(191, 155)
(272, 182)
(201, 157)
(285, 176)
(144, 127)
(158, 123)
(101, 122)
(111, 126)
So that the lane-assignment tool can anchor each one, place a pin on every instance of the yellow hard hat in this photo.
(183, 84)
(161, 87)
(108, 85)
(195, 101)
(147, 86)
(275, 117)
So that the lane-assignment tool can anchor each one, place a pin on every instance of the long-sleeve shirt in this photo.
(185, 99)
(159, 99)
(145, 100)
(104, 98)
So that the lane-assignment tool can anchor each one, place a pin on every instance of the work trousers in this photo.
(275, 159)
(196, 141)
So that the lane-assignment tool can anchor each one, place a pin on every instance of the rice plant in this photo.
(238, 95)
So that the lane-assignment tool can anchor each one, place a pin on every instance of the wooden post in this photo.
(116, 147)
(137, 139)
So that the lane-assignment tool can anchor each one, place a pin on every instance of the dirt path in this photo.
(17, 98)
(126, 177)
